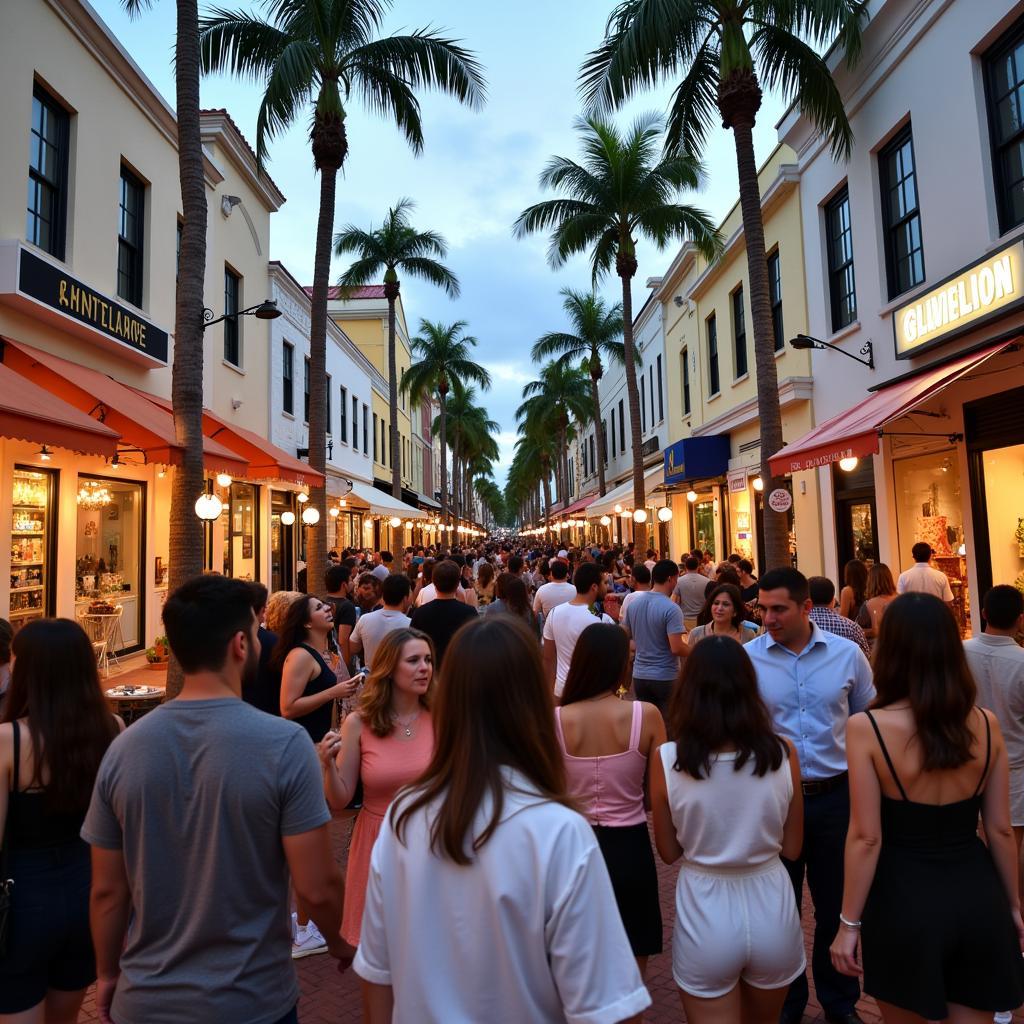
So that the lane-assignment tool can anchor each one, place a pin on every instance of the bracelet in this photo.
(855, 925)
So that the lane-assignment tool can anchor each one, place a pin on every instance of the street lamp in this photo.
(640, 516)
(805, 341)
(691, 496)
(208, 507)
(664, 514)
(848, 465)
(288, 518)
(310, 516)
(265, 310)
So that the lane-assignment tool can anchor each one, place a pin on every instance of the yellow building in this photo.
(712, 387)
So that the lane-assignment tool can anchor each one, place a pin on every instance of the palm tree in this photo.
(185, 542)
(536, 451)
(320, 52)
(443, 357)
(620, 192)
(469, 435)
(724, 50)
(395, 247)
(595, 329)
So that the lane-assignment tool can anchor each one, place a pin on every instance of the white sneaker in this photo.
(308, 941)
(1003, 1017)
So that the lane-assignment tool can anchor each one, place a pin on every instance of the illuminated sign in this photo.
(696, 458)
(967, 299)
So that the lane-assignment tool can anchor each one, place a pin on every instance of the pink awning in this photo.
(576, 506)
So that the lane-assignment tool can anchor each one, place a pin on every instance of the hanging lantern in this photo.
(605, 521)
(208, 507)
(302, 497)
(310, 516)
(664, 514)
(334, 511)
(849, 464)
(395, 522)
(223, 480)
(617, 510)
(640, 515)
(691, 496)
(288, 518)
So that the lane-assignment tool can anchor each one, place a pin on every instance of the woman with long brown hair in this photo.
(488, 899)
(386, 744)
(855, 582)
(879, 593)
(484, 584)
(514, 599)
(726, 616)
(55, 730)
(939, 908)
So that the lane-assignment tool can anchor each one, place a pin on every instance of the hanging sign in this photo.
(780, 500)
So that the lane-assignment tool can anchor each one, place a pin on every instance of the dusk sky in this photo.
(477, 173)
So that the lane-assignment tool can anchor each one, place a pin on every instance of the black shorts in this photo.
(48, 944)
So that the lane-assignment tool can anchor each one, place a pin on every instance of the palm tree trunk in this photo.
(776, 531)
(595, 397)
(185, 549)
(546, 481)
(627, 268)
(391, 291)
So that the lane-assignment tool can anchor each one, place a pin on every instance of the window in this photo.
(712, 327)
(344, 418)
(1004, 81)
(47, 174)
(404, 472)
(643, 402)
(622, 429)
(684, 359)
(374, 437)
(366, 420)
(383, 443)
(775, 297)
(841, 283)
(661, 393)
(287, 369)
(593, 458)
(739, 332)
(177, 248)
(330, 411)
(305, 389)
(613, 433)
(232, 303)
(904, 250)
(604, 438)
(650, 389)
(355, 425)
(132, 210)
(583, 448)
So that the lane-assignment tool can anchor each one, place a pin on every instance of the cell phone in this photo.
(364, 671)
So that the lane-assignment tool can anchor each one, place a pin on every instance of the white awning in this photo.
(382, 504)
(623, 495)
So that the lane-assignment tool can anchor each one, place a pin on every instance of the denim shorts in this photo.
(48, 944)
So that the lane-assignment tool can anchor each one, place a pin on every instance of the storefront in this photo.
(694, 473)
(616, 513)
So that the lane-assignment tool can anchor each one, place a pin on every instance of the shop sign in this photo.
(650, 446)
(964, 301)
(693, 458)
(737, 481)
(780, 500)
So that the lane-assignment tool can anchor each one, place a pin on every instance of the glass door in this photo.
(282, 535)
(241, 554)
(704, 525)
(33, 544)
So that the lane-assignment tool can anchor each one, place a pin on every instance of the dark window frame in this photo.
(902, 142)
(232, 328)
(686, 382)
(643, 401)
(842, 274)
(288, 378)
(305, 389)
(604, 436)
(366, 418)
(131, 251)
(613, 432)
(622, 429)
(54, 186)
(741, 365)
(1003, 48)
(330, 410)
(343, 427)
(714, 378)
(661, 393)
(775, 298)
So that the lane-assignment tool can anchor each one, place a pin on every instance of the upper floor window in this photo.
(232, 303)
(305, 389)
(330, 412)
(177, 247)
(841, 283)
(1004, 80)
(904, 250)
(613, 432)
(684, 360)
(46, 217)
(622, 429)
(131, 227)
(775, 297)
(344, 418)
(374, 437)
(366, 419)
(661, 393)
(287, 377)
(650, 389)
(593, 457)
(712, 328)
(739, 332)
(355, 425)
(604, 439)
(643, 402)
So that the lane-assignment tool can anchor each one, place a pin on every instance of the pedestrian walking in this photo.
(923, 577)
(812, 681)
(855, 582)
(641, 578)
(725, 794)
(6, 636)
(241, 810)
(565, 622)
(385, 744)
(484, 584)
(655, 625)
(607, 744)
(937, 908)
(55, 730)
(374, 626)
(824, 615)
(689, 592)
(441, 617)
(558, 591)
(338, 583)
(879, 593)
(486, 852)
(727, 613)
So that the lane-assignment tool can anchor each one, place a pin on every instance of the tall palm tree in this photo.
(619, 192)
(725, 50)
(396, 247)
(470, 434)
(594, 332)
(320, 52)
(185, 542)
(443, 356)
(536, 451)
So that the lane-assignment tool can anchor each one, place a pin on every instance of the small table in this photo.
(132, 701)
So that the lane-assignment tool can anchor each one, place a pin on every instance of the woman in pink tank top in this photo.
(607, 743)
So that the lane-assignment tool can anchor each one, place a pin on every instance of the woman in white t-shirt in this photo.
(486, 852)
(726, 797)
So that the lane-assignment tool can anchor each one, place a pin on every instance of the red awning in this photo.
(266, 461)
(30, 413)
(576, 506)
(142, 424)
(855, 433)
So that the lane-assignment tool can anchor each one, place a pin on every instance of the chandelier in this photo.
(92, 494)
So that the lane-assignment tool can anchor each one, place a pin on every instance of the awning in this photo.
(623, 495)
(428, 503)
(266, 461)
(139, 419)
(854, 433)
(30, 413)
(382, 504)
(577, 506)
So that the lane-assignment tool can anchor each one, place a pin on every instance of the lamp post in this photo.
(805, 341)
(265, 310)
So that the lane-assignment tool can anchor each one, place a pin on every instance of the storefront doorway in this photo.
(241, 539)
(282, 541)
(856, 518)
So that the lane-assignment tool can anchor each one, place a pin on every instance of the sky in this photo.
(478, 170)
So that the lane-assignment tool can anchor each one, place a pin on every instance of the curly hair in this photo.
(277, 608)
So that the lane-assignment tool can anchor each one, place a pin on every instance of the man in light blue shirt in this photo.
(812, 681)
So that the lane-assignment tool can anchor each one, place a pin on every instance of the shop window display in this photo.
(1004, 504)
(32, 544)
(240, 535)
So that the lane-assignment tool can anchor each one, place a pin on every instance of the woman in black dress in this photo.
(942, 931)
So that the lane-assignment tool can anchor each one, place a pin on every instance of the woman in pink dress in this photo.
(387, 743)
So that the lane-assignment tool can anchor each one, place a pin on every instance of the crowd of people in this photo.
(518, 731)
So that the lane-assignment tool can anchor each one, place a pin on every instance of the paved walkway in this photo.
(330, 998)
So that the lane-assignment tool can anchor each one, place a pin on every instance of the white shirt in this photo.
(531, 931)
(628, 600)
(562, 628)
(997, 664)
(426, 595)
(552, 594)
(923, 579)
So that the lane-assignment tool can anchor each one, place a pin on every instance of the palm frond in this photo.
(432, 272)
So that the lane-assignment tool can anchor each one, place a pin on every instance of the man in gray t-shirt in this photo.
(689, 592)
(200, 812)
(374, 626)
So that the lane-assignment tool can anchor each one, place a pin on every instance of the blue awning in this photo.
(694, 458)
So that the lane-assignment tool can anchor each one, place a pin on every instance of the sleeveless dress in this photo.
(936, 925)
(611, 790)
(318, 723)
(386, 764)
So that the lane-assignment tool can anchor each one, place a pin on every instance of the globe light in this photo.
(408, 524)
(849, 465)
(617, 510)
(395, 522)
(310, 516)
(691, 496)
(606, 521)
(287, 518)
(334, 511)
(223, 480)
(640, 516)
(664, 514)
(302, 497)
(208, 507)
(758, 484)
(626, 514)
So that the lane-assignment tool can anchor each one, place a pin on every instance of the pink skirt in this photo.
(364, 835)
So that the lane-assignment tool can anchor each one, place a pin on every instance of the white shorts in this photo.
(735, 924)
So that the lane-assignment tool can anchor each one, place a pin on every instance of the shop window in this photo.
(287, 382)
(240, 549)
(684, 366)
(775, 297)
(46, 217)
(904, 249)
(33, 544)
(739, 332)
(232, 328)
(712, 329)
(344, 418)
(130, 237)
(1004, 82)
(841, 281)
(1004, 506)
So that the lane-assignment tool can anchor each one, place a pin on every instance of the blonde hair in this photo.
(375, 700)
(277, 608)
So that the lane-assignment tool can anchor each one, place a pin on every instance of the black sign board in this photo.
(650, 446)
(54, 288)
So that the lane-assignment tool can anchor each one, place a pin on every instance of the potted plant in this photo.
(161, 647)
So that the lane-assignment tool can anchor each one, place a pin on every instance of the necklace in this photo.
(406, 723)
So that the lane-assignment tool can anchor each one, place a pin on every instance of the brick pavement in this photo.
(330, 998)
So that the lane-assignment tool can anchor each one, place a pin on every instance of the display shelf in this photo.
(23, 590)
(28, 533)
(19, 564)
(26, 613)
(29, 508)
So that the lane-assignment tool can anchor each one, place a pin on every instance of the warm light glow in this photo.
(93, 494)
(334, 511)
(311, 516)
(223, 480)
(395, 522)
(848, 465)
(691, 496)
(287, 518)
(208, 507)
(161, 473)
(408, 524)
(343, 503)
(617, 510)
(605, 521)
(664, 514)
(44, 454)
(640, 515)
(758, 484)
(302, 497)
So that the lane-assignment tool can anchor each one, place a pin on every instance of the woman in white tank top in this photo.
(726, 797)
